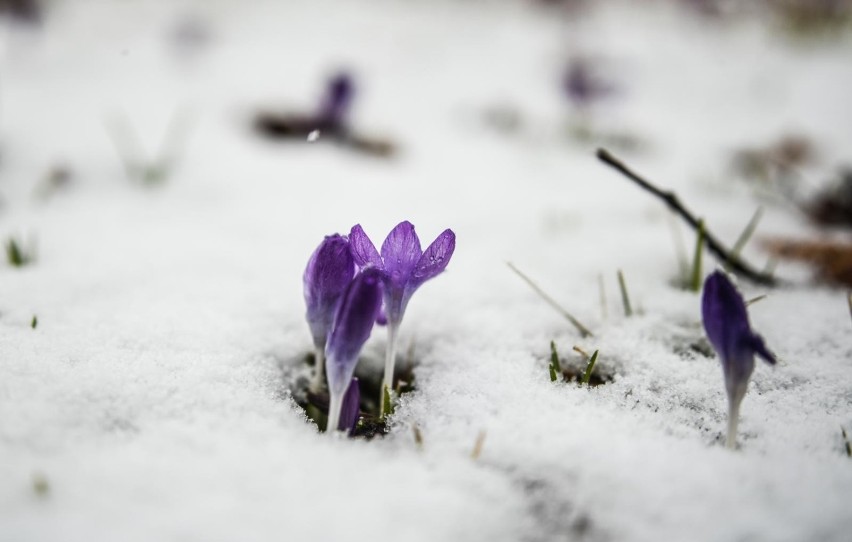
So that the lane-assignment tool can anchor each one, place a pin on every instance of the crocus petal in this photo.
(353, 323)
(331, 266)
(760, 349)
(435, 258)
(363, 250)
(351, 410)
(400, 253)
(328, 273)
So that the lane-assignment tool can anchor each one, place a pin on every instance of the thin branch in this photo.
(732, 261)
(584, 331)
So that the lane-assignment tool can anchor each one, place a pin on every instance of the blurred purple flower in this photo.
(404, 268)
(28, 12)
(328, 273)
(726, 323)
(351, 409)
(582, 85)
(336, 101)
(353, 323)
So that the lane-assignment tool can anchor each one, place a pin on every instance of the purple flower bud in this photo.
(404, 265)
(329, 271)
(336, 101)
(726, 323)
(351, 409)
(353, 323)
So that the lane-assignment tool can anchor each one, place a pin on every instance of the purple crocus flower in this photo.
(726, 323)
(404, 267)
(351, 409)
(353, 323)
(329, 271)
(336, 102)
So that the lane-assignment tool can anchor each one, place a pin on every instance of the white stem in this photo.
(733, 421)
(390, 361)
(319, 366)
(334, 414)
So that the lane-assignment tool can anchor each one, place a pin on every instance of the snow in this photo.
(153, 395)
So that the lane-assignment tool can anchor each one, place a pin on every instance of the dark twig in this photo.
(731, 260)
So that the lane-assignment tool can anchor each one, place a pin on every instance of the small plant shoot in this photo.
(555, 370)
(625, 297)
(587, 376)
(17, 255)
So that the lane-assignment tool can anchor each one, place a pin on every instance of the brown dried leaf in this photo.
(831, 260)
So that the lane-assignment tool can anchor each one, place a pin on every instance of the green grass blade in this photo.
(554, 367)
(625, 298)
(584, 331)
(695, 286)
(747, 233)
(590, 367)
(387, 407)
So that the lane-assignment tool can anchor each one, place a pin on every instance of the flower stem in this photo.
(319, 369)
(334, 407)
(390, 360)
(733, 421)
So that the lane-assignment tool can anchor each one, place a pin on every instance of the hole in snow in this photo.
(369, 374)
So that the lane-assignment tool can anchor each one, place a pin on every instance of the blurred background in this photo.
(319, 105)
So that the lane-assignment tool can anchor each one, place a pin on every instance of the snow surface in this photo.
(152, 398)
